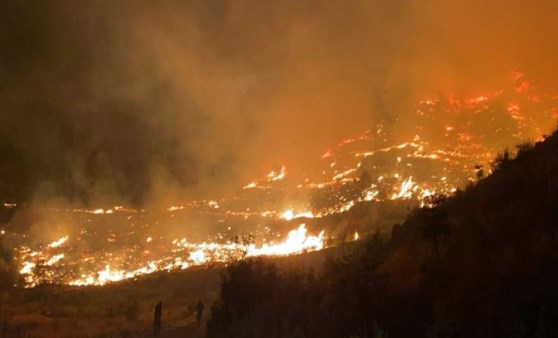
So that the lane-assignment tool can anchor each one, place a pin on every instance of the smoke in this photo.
(142, 101)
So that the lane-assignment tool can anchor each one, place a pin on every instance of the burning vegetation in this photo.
(482, 263)
(267, 216)
(139, 139)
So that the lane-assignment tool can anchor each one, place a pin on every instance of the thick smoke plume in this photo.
(140, 101)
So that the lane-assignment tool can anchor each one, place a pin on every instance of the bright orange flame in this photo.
(184, 255)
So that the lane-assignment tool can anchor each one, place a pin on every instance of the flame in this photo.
(297, 242)
(288, 215)
(27, 268)
(327, 154)
(250, 185)
(277, 176)
(271, 177)
(58, 242)
(369, 167)
(54, 259)
(198, 257)
(478, 99)
(182, 255)
(406, 190)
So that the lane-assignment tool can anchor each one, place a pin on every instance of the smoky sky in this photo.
(126, 100)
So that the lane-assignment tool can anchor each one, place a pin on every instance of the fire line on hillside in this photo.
(452, 142)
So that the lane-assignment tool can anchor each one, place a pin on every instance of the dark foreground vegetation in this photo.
(118, 310)
(483, 263)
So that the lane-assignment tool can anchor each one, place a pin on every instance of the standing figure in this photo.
(157, 319)
(199, 312)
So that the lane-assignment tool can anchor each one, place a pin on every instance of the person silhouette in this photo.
(199, 312)
(157, 318)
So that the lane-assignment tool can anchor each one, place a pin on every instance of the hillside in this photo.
(483, 263)
(358, 184)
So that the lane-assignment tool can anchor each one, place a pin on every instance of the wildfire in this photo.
(181, 254)
(451, 137)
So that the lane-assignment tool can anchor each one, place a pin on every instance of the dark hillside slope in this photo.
(493, 263)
